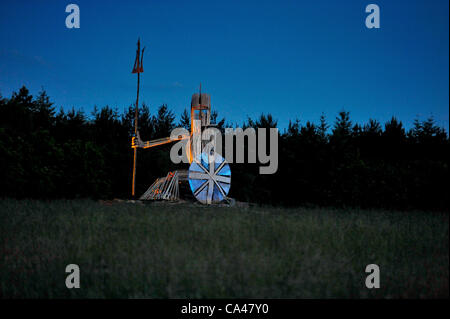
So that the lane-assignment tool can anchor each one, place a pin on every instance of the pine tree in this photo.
(164, 122)
(394, 131)
(323, 128)
(264, 121)
(293, 128)
(343, 125)
(373, 128)
(185, 120)
(43, 107)
(146, 123)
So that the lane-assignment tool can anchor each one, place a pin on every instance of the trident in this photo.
(138, 68)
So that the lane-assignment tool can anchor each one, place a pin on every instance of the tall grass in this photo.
(147, 251)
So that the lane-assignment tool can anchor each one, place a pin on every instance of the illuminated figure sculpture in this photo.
(209, 175)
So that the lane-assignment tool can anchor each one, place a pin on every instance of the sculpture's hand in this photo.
(136, 141)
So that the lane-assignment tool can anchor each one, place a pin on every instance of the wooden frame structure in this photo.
(164, 188)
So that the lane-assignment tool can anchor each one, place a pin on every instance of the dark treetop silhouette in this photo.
(44, 154)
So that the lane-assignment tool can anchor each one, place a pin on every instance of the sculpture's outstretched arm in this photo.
(136, 141)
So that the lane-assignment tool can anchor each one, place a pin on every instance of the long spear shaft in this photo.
(138, 68)
(135, 134)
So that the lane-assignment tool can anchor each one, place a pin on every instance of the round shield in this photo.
(209, 178)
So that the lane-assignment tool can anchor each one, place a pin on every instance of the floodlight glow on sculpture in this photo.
(209, 175)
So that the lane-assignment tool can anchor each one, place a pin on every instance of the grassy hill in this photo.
(179, 251)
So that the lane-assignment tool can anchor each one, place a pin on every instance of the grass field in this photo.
(147, 251)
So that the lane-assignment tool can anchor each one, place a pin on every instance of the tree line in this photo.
(69, 154)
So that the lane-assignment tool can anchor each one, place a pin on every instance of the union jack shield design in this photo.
(209, 178)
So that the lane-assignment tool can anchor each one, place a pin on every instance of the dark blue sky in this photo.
(289, 58)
